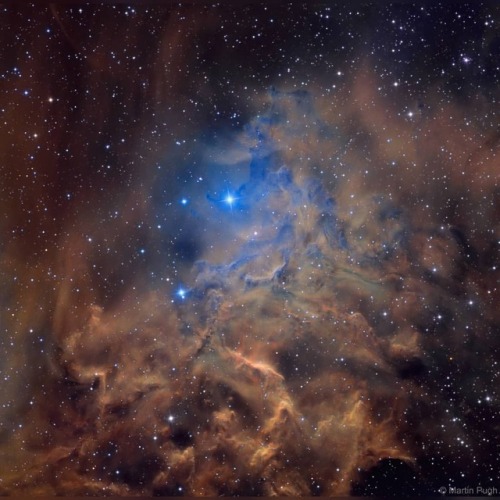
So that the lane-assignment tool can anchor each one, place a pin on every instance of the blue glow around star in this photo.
(230, 199)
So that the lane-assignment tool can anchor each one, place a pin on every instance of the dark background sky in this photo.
(332, 330)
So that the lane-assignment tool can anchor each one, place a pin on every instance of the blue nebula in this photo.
(275, 215)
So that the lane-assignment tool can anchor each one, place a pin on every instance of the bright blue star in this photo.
(181, 293)
(230, 200)
(225, 201)
(184, 201)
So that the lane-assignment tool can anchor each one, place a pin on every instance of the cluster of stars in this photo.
(115, 139)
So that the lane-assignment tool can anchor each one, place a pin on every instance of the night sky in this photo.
(249, 249)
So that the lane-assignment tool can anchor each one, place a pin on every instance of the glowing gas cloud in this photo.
(249, 253)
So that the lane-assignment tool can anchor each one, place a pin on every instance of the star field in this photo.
(249, 249)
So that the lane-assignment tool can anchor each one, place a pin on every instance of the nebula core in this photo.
(249, 249)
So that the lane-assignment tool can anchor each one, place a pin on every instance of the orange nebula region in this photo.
(331, 330)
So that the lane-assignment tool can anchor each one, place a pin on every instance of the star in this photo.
(230, 199)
